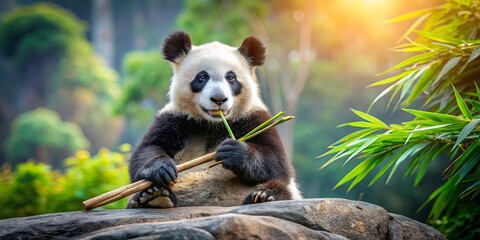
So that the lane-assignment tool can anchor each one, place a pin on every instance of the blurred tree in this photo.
(103, 30)
(147, 77)
(55, 66)
(42, 135)
(447, 58)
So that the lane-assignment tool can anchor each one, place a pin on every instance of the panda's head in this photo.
(213, 76)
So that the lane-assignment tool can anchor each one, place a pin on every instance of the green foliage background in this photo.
(42, 129)
(54, 67)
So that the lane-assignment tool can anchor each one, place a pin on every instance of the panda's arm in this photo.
(258, 160)
(153, 158)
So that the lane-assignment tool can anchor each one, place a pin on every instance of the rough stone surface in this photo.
(301, 219)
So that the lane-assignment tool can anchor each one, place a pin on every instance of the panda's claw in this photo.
(255, 196)
(263, 195)
(156, 197)
(273, 190)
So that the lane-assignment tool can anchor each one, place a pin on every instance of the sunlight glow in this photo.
(371, 5)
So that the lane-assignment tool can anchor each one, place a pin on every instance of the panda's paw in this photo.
(260, 196)
(154, 197)
(162, 172)
(232, 153)
(273, 190)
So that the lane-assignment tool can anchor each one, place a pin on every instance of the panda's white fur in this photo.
(189, 126)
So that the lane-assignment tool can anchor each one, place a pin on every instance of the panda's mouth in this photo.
(214, 113)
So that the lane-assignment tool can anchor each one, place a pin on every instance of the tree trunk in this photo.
(103, 31)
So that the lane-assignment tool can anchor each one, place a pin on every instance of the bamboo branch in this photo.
(138, 186)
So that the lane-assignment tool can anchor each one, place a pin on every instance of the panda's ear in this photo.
(253, 50)
(176, 46)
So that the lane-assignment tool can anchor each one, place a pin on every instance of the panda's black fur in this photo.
(253, 171)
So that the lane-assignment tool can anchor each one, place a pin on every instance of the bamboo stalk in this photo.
(138, 186)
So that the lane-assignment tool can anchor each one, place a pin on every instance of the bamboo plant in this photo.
(440, 76)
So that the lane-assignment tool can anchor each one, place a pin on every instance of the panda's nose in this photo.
(219, 100)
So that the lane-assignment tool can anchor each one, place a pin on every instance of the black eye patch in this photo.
(199, 81)
(235, 85)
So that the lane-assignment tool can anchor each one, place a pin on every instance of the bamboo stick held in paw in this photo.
(138, 186)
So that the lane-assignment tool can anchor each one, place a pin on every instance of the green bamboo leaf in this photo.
(263, 125)
(439, 117)
(266, 128)
(465, 162)
(371, 164)
(423, 167)
(395, 93)
(423, 82)
(333, 149)
(466, 167)
(409, 151)
(356, 135)
(383, 93)
(411, 134)
(357, 142)
(444, 46)
(358, 170)
(447, 68)
(425, 160)
(360, 124)
(409, 82)
(365, 145)
(475, 104)
(472, 177)
(437, 193)
(473, 55)
(469, 190)
(417, 59)
(410, 15)
(350, 175)
(382, 171)
(478, 90)
(462, 105)
(410, 49)
(471, 154)
(466, 131)
(339, 155)
(430, 127)
(445, 194)
(392, 79)
(414, 26)
(370, 118)
(440, 38)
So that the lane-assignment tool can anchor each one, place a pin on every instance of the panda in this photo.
(208, 78)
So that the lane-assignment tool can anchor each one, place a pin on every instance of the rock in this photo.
(301, 219)
(225, 226)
